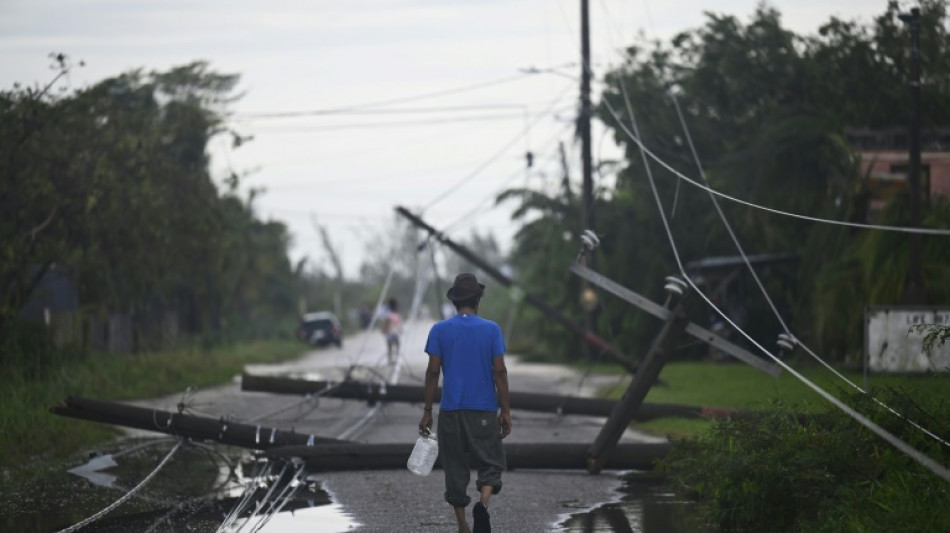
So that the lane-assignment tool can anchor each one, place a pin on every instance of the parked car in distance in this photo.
(320, 328)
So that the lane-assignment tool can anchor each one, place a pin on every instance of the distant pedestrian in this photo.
(469, 351)
(366, 316)
(392, 327)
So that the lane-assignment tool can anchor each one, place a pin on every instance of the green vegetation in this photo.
(770, 113)
(108, 187)
(106, 190)
(777, 471)
(935, 335)
(739, 386)
(28, 432)
(789, 461)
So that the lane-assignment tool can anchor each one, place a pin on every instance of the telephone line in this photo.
(504, 149)
(452, 226)
(923, 459)
(391, 124)
(680, 175)
(739, 247)
(401, 111)
(417, 97)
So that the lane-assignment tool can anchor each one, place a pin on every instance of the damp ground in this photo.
(203, 483)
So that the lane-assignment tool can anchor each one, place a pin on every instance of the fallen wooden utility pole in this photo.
(382, 392)
(663, 313)
(331, 454)
(676, 323)
(336, 457)
(182, 425)
(541, 305)
(632, 400)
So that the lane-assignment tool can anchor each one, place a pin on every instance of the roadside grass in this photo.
(735, 385)
(30, 433)
(768, 468)
(774, 470)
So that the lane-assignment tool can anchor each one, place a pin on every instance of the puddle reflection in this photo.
(645, 507)
(198, 490)
(324, 519)
(203, 487)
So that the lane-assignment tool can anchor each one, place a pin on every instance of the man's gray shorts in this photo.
(470, 439)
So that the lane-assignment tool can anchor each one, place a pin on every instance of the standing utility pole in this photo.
(587, 296)
(914, 293)
(583, 121)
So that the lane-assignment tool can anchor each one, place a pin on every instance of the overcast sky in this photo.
(468, 110)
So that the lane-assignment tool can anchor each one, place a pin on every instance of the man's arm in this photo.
(433, 371)
(501, 384)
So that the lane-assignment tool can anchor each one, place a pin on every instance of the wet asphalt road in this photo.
(397, 500)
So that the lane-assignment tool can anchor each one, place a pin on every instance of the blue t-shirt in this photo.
(467, 345)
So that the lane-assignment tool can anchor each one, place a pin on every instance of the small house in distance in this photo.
(885, 161)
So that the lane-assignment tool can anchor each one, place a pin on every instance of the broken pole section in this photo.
(340, 457)
(663, 313)
(541, 305)
(182, 425)
(376, 392)
(626, 409)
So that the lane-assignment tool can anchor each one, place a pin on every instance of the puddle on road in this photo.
(201, 485)
(195, 491)
(645, 507)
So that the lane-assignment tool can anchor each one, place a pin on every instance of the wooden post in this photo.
(626, 409)
(663, 313)
(524, 401)
(336, 457)
(182, 425)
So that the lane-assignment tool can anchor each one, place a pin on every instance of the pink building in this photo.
(885, 158)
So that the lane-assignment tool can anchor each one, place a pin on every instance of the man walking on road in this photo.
(469, 351)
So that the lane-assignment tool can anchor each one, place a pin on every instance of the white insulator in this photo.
(675, 285)
(590, 239)
(785, 342)
(589, 245)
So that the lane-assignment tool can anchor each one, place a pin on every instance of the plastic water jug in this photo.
(423, 456)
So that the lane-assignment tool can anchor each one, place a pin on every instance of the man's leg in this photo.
(391, 350)
(486, 452)
(452, 453)
(485, 494)
(480, 515)
(488, 457)
(460, 517)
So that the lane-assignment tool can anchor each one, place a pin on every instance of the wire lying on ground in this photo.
(124, 498)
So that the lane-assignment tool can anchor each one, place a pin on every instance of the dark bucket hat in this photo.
(465, 287)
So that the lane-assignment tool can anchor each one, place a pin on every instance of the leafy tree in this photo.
(768, 112)
(111, 184)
